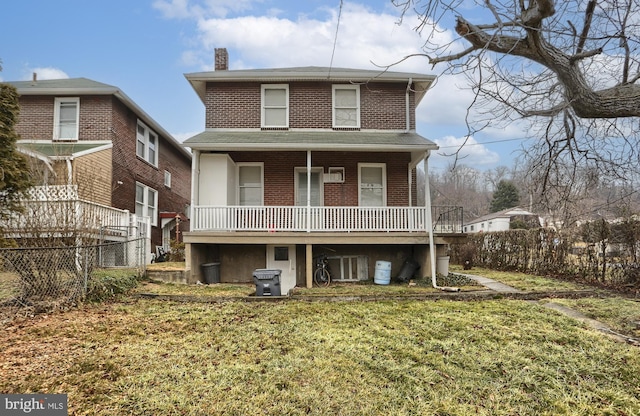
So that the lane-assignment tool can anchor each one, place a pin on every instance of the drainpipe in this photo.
(406, 104)
(432, 247)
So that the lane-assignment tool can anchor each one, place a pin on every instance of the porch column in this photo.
(427, 202)
(308, 190)
(309, 262)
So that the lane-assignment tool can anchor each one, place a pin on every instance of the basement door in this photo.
(283, 257)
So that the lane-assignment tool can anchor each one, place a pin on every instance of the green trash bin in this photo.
(211, 272)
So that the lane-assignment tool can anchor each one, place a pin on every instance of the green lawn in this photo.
(151, 357)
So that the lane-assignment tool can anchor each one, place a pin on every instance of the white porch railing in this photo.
(58, 209)
(314, 219)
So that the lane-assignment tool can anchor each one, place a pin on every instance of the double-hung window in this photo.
(372, 184)
(66, 114)
(275, 106)
(250, 184)
(147, 202)
(346, 106)
(147, 144)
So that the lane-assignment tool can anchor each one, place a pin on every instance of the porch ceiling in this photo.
(360, 141)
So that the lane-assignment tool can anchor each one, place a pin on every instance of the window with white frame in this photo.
(372, 184)
(147, 144)
(275, 106)
(66, 116)
(147, 202)
(346, 106)
(167, 179)
(250, 184)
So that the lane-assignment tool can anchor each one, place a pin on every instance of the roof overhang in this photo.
(356, 141)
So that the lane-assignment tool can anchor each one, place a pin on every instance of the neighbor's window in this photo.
(167, 179)
(275, 105)
(147, 144)
(65, 118)
(250, 184)
(346, 106)
(147, 202)
(372, 180)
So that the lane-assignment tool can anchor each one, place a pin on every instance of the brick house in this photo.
(346, 135)
(88, 141)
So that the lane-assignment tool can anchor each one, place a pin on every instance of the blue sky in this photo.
(144, 47)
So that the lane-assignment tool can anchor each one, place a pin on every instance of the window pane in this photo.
(371, 176)
(139, 194)
(346, 98)
(275, 97)
(250, 196)
(346, 118)
(371, 197)
(275, 117)
(250, 175)
(151, 201)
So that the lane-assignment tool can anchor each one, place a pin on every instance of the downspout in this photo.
(406, 104)
(432, 247)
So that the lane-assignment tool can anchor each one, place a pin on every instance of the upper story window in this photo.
(346, 106)
(147, 202)
(66, 114)
(147, 144)
(250, 184)
(167, 179)
(275, 106)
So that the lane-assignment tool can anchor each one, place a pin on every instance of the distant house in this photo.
(501, 221)
(295, 162)
(89, 143)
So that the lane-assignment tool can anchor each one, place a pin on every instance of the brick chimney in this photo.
(222, 59)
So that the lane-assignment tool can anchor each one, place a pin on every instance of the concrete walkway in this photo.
(572, 313)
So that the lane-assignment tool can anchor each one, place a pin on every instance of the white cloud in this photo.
(366, 39)
(45, 73)
(470, 152)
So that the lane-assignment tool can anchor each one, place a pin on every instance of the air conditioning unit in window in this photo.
(335, 175)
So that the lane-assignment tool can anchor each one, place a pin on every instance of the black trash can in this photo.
(409, 268)
(211, 272)
(267, 282)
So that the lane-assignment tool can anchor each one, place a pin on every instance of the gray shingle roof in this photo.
(310, 140)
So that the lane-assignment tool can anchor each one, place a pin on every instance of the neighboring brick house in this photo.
(91, 138)
(348, 135)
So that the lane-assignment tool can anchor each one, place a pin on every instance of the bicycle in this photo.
(322, 274)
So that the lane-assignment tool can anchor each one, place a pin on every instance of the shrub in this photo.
(107, 283)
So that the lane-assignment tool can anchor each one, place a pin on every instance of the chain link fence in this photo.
(42, 279)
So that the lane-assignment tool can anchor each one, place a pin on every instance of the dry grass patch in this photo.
(296, 358)
(218, 289)
(620, 314)
(522, 281)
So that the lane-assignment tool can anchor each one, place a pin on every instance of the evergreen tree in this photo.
(14, 172)
(506, 196)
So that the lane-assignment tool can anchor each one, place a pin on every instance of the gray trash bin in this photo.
(211, 272)
(267, 282)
